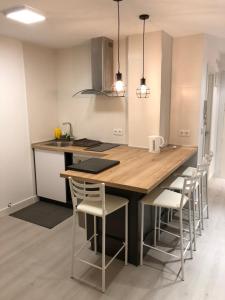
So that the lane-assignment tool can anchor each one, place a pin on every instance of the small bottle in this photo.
(57, 133)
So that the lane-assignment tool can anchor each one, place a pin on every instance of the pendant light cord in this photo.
(118, 5)
(143, 67)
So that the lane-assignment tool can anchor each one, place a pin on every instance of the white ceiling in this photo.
(71, 22)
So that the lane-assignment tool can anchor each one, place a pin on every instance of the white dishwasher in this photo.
(48, 166)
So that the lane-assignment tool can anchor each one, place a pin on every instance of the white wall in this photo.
(215, 53)
(215, 60)
(96, 116)
(166, 80)
(194, 57)
(16, 182)
(92, 116)
(144, 114)
(187, 69)
(217, 139)
(40, 71)
(149, 116)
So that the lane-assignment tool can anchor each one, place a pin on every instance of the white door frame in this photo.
(220, 127)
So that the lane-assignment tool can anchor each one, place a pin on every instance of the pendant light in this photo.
(143, 91)
(118, 86)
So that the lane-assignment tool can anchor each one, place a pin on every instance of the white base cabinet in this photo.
(50, 185)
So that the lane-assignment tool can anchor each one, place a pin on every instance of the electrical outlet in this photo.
(187, 133)
(118, 131)
(181, 132)
(184, 132)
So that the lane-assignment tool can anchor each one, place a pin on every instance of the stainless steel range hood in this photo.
(101, 67)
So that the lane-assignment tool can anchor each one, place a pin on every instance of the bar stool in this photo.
(91, 199)
(209, 157)
(196, 208)
(170, 200)
(207, 161)
(202, 170)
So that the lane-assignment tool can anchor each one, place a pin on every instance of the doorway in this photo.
(207, 114)
(220, 143)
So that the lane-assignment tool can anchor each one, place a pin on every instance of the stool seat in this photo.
(166, 199)
(178, 184)
(92, 207)
(190, 171)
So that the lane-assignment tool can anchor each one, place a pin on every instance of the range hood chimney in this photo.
(101, 67)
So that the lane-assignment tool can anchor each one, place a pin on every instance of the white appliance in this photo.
(48, 165)
(155, 142)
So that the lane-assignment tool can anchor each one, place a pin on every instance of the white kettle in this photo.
(155, 142)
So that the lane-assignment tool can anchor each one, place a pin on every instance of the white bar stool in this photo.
(196, 208)
(202, 170)
(204, 167)
(91, 199)
(207, 161)
(170, 200)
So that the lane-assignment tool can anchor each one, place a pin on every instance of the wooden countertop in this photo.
(139, 170)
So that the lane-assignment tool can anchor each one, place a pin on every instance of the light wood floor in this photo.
(35, 264)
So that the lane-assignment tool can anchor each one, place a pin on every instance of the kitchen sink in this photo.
(85, 143)
(60, 143)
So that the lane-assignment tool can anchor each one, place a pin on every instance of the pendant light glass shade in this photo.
(143, 91)
(118, 86)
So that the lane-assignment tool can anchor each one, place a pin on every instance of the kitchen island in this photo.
(138, 173)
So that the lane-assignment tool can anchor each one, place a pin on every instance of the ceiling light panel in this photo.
(25, 15)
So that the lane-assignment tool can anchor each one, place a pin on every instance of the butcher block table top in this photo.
(139, 170)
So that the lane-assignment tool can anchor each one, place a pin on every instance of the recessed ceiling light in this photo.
(24, 14)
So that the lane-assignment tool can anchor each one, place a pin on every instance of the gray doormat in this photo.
(44, 214)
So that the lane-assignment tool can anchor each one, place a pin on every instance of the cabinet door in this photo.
(50, 185)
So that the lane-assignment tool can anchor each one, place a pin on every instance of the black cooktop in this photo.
(85, 143)
(102, 147)
(93, 145)
(94, 165)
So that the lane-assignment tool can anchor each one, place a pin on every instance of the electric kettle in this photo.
(155, 142)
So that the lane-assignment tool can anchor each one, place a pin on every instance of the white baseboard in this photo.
(17, 206)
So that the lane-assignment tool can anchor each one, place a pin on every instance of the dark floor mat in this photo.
(44, 214)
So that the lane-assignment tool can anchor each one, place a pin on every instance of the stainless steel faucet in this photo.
(70, 129)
